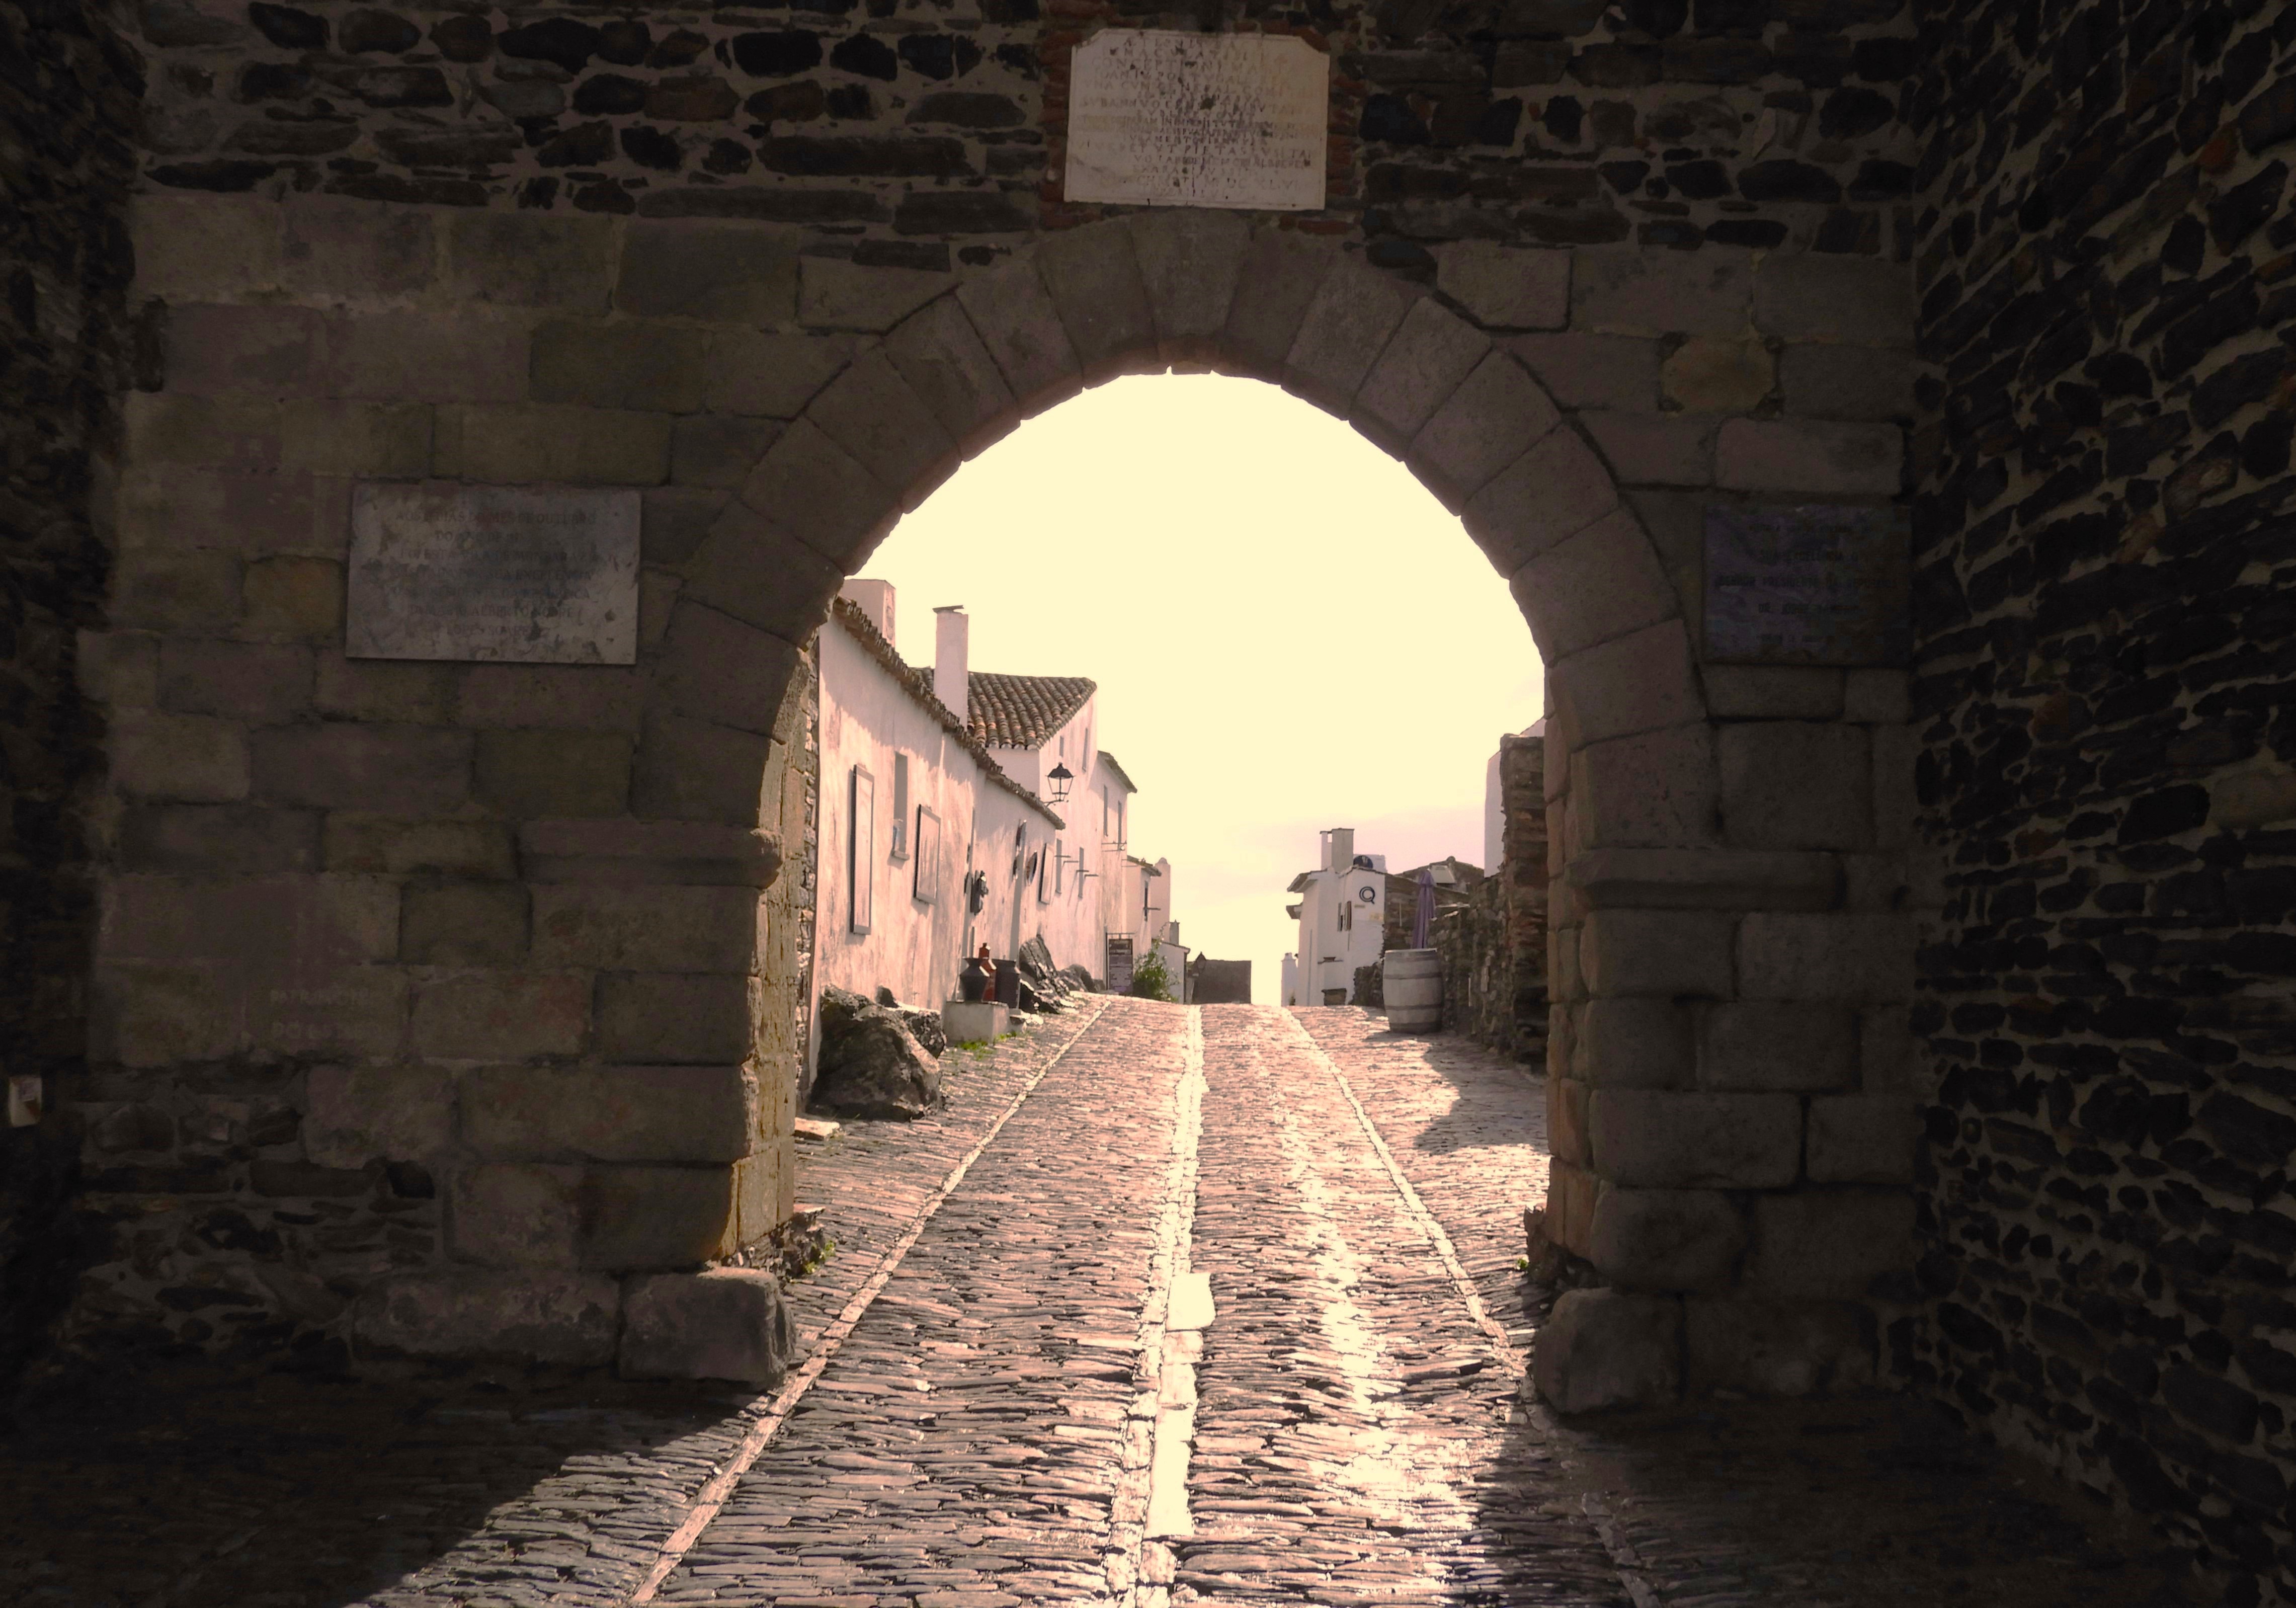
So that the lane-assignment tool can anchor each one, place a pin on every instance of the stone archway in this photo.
(1673, 1185)
(536, 989)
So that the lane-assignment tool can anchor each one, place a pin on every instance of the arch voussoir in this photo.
(1497, 414)
(1558, 487)
(721, 670)
(1432, 351)
(1354, 313)
(1638, 682)
(952, 372)
(756, 569)
(830, 497)
(1602, 582)
(873, 411)
(1020, 326)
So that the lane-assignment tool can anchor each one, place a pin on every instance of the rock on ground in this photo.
(871, 1064)
(926, 1025)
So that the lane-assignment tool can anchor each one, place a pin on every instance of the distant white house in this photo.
(1343, 910)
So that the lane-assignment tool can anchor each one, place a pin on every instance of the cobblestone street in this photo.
(1012, 1393)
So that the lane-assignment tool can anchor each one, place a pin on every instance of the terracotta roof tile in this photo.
(1022, 711)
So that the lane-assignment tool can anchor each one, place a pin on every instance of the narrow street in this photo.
(1012, 1393)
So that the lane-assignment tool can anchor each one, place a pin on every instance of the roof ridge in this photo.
(1014, 709)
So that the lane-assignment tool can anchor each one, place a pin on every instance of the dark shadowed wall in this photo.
(2107, 612)
(68, 105)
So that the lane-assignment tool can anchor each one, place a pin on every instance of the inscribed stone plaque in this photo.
(534, 576)
(1808, 586)
(1162, 119)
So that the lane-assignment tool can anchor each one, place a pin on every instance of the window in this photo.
(927, 882)
(899, 850)
(1060, 867)
(1347, 916)
(861, 848)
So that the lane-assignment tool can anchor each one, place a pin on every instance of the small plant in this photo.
(1151, 979)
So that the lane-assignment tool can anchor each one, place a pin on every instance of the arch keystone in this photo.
(1095, 282)
(1278, 279)
(1189, 262)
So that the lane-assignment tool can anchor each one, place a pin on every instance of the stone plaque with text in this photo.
(1818, 586)
(1163, 118)
(532, 575)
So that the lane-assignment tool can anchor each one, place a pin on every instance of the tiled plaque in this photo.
(1162, 119)
(1808, 586)
(532, 575)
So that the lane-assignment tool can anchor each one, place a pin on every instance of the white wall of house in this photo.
(1292, 980)
(1342, 913)
(884, 917)
(1065, 896)
(918, 928)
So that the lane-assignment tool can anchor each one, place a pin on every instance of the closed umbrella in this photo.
(1424, 918)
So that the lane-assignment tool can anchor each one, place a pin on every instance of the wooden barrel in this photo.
(1412, 984)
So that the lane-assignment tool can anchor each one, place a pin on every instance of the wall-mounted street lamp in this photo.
(1060, 779)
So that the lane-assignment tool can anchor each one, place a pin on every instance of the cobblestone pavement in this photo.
(1013, 1397)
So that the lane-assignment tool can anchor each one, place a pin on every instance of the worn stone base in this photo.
(569, 1317)
(975, 1022)
(728, 1322)
(1601, 1348)
(1607, 1348)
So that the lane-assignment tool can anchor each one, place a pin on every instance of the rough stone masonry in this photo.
(1925, 1020)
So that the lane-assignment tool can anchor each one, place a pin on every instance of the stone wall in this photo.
(67, 96)
(1493, 942)
(796, 897)
(2106, 559)
(524, 900)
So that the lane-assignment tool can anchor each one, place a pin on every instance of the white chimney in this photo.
(952, 660)
(876, 598)
(1343, 848)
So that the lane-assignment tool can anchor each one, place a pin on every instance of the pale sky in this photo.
(1289, 632)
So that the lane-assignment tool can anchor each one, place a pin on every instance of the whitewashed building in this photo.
(911, 803)
(929, 804)
(1089, 889)
(1342, 911)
